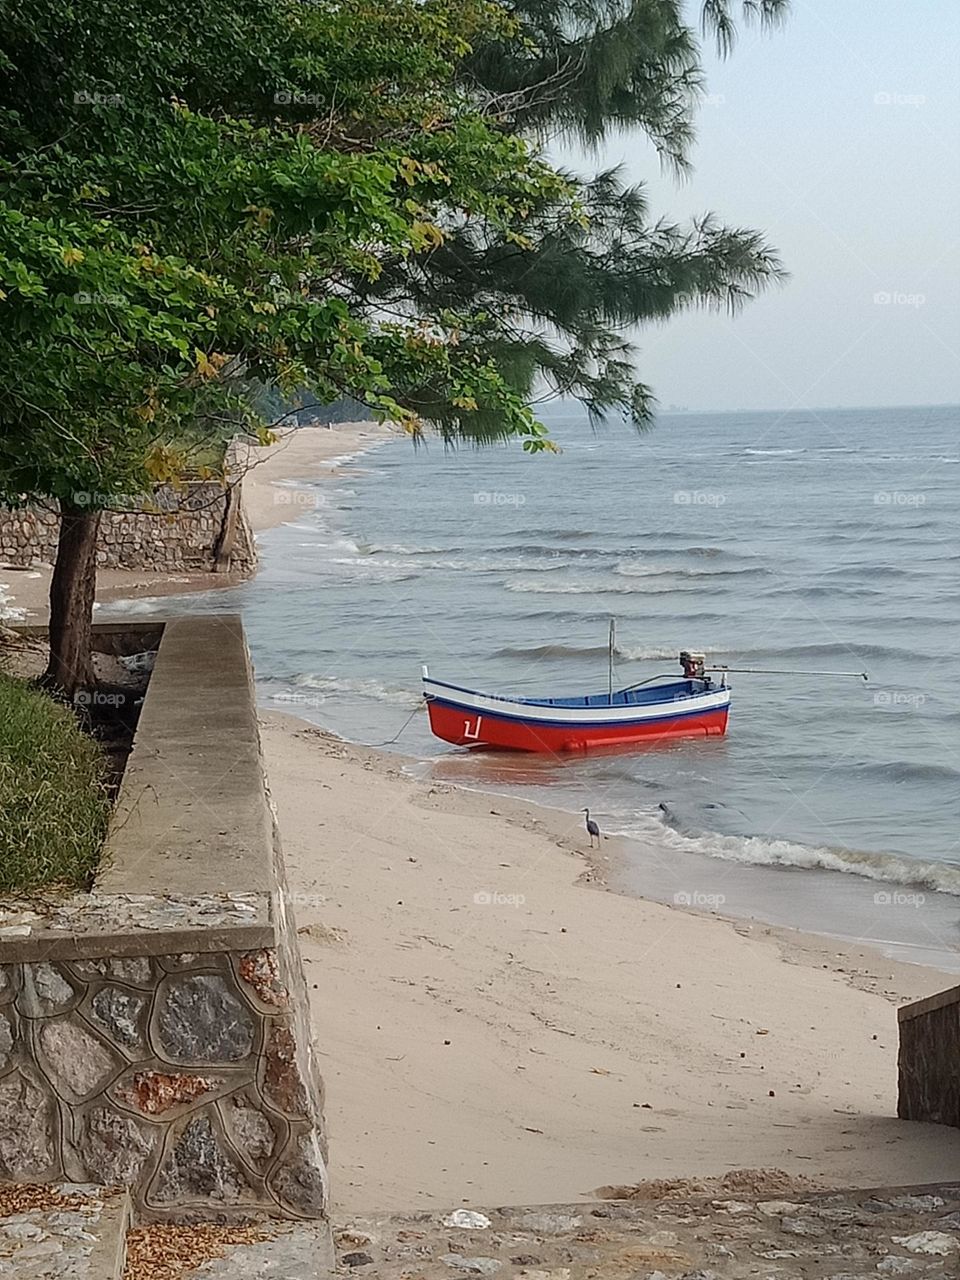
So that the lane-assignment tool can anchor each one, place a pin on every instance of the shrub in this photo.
(53, 799)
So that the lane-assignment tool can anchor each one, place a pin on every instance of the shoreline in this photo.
(490, 1031)
(275, 488)
(502, 1034)
(286, 478)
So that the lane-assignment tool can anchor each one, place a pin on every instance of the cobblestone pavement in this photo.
(861, 1235)
(913, 1233)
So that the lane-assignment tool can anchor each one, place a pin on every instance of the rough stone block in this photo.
(121, 1015)
(28, 1130)
(133, 971)
(282, 1082)
(155, 1093)
(8, 1038)
(249, 1129)
(76, 1062)
(45, 991)
(198, 1018)
(8, 982)
(113, 1148)
(199, 1168)
(260, 970)
(300, 1180)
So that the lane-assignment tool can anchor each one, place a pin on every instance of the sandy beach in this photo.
(493, 1027)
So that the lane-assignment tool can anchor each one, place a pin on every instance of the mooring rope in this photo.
(390, 741)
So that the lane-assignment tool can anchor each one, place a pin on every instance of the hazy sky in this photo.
(839, 137)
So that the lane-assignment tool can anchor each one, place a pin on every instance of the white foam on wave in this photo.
(598, 586)
(640, 569)
(362, 569)
(772, 453)
(482, 564)
(374, 689)
(398, 549)
(658, 653)
(889, 868)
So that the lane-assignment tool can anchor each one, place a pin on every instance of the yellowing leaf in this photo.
(261, 214)
(208, 366)
(71, 257)
(426, 234)
(408, 170)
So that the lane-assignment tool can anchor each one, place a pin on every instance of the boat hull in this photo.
(478, 721)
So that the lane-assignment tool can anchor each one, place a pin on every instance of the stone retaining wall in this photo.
(197, 528)
(154, 1033)
(174, 1075)
(929, 1060)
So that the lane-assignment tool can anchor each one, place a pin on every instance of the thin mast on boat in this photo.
(610, 648)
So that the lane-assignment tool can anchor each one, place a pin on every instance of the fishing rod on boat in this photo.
(772, 671)
(694, 667)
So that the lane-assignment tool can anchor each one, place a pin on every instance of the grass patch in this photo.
(53, 799)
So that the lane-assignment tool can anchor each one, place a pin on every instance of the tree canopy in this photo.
(347, 198)
(200, 196)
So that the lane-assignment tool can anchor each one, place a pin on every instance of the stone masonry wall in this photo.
(155, 1031)
(179, 530)
(176, 1076)
(929, 1061)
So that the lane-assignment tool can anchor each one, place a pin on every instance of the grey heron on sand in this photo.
(593, 831)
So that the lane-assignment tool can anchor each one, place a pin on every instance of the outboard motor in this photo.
(693, 665)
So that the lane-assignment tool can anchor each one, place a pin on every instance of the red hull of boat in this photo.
(461, 727)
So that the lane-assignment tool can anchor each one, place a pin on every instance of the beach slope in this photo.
(491, 1029)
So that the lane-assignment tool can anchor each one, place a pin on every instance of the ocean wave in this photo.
(632, 569)
(830, 651)
(373, 572)
(603, 587)
(583, 651)
(662, 653)
(820, 590)
(553, 651)
(398, 549)
(906, 771)
(772, 453)
(547, 550)
(625, 653)
(659, 653)
(564, 535)
(373, 689)
(762, 851)
(482, 564)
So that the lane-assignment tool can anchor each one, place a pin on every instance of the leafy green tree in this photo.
(197, 196)
(180, 215)
(555, 305)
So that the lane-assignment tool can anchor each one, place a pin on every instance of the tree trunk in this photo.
(72, 592)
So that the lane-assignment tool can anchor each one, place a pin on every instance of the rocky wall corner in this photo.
(176, 1076)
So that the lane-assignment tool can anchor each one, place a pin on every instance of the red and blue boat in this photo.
(660, 708)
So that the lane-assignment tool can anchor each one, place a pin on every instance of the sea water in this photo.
(805, 540)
